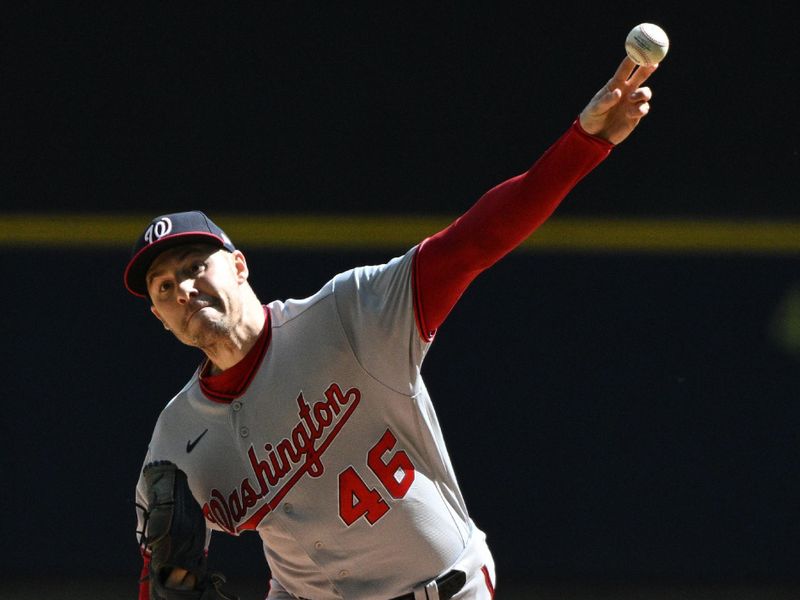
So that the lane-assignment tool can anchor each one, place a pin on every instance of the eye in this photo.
(197, 267)
(164, 286)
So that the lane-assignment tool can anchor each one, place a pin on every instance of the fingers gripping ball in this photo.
(647, 44)
(175, 534)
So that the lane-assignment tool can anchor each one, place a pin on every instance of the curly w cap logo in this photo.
(158, 229)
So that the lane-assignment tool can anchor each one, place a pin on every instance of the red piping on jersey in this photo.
(232, 383)
(488, 580)
(419, 313)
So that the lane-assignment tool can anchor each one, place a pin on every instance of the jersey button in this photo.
(236, 405)
(344, 573)
(318, 545)
(244, 432)
(287, 507)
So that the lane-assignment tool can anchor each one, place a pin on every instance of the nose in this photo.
(186, 290)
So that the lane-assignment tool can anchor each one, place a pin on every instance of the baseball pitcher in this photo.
(308, 420)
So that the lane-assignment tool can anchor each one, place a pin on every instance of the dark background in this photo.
(408, 108)
(610, 416)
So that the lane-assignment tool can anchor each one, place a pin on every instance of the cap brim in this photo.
(139, 264)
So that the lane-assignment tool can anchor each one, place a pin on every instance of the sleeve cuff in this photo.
(576, 126)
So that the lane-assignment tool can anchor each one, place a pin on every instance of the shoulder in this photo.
(357, 285)
(377, 278)
(179, 403)
(283, 311)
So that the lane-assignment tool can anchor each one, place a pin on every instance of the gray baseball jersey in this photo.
(333, 453)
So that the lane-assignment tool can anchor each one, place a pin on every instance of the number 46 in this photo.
(356, 500)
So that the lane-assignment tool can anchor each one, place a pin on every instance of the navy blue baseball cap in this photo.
(165, 232)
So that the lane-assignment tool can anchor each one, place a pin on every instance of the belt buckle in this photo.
(444, 587)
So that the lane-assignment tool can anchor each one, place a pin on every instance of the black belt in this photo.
(449, 585)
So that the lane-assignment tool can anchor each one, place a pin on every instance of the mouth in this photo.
(197, 310)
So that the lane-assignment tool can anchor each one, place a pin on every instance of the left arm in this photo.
(449, 261)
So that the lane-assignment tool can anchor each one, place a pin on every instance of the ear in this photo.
(240, 266)
(154, 310)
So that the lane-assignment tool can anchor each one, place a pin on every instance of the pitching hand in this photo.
(619, 106)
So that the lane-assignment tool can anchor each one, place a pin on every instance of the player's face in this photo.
(195, 292)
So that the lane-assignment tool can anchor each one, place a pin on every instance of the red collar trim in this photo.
(232, 383)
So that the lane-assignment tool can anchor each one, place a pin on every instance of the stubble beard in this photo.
(210, 326)
(209, 332)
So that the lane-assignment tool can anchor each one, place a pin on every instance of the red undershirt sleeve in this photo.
(447, 262)
(144, 584)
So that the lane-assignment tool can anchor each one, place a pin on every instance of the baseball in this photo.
(647, 44)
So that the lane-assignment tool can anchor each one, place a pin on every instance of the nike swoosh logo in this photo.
(190, 445)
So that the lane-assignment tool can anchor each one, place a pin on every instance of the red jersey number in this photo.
(356, 500)
(396, 473)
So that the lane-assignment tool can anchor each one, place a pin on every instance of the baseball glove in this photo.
(175, 535)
